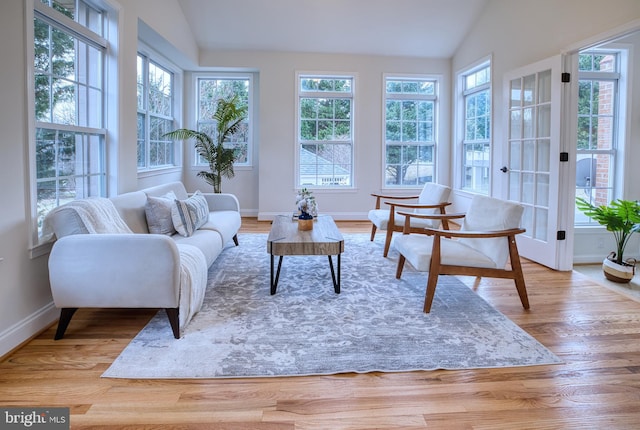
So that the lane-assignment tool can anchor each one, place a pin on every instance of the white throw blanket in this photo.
(193, 282)
(98, 214)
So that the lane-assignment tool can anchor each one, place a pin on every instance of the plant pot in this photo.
(305, 221)
(615, 272)
(305, 224)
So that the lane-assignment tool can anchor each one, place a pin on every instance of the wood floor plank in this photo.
(595, 331)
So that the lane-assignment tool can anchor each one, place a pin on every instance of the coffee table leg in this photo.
(336, 282)
(338, 289)
(274, 282)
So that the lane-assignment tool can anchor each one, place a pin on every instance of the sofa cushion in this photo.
(158, 212)
(226, 223)
(209, 242)
(190, 214)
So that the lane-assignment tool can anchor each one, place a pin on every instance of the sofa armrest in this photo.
(115, 270)
(222, 202)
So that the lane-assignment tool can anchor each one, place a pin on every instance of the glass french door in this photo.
(530, 172)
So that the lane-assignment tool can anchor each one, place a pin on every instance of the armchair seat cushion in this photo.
(380, 218)
(417, 250)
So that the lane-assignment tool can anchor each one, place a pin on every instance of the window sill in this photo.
(159, 171)
(40, 250)
(244, 167)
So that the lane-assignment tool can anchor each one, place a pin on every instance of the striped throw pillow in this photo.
(190, 214)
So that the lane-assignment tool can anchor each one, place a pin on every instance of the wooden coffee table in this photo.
(324, 239)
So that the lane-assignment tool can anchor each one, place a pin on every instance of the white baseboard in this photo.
(27, 328)
(251, 213)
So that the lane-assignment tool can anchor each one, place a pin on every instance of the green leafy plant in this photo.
(621, 217)
(229, 116)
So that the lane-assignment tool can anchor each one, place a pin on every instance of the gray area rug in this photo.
(376, 323)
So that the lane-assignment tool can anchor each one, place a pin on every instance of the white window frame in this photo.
(335, 181)
(460, 134)
(619, 126)
(107, 42)
(197, 160)
(150, 55)
(408, 97)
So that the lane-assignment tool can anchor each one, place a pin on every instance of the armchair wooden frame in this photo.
(391, 226)
(436, 267)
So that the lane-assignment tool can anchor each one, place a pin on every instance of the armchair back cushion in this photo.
(489, 214)
(431, 194)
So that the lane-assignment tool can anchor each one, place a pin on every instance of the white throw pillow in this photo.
(190, 214)
(158, 212)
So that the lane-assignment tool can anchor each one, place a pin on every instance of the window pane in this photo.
(596, 134)
(325, 85)
(212, 89)
(476, 125)
(326, 119)
(141, 142)
(516, 93)
(68, 78)
(65, 160)
(69, 91)
(140, 82)
(160, 89)
(409, 118)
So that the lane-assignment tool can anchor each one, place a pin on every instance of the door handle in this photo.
(504, 169)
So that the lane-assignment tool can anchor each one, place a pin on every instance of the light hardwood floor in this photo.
(594, 330)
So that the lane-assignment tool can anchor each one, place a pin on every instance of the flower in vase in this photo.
(306, 203)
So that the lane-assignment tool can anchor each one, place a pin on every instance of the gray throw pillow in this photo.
(158, 212)
(190, 214)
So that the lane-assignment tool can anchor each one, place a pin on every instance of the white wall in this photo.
(520, 32)
(25, 298)
(272, 190)
(24, 290)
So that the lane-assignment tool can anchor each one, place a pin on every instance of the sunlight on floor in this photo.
(594, 271)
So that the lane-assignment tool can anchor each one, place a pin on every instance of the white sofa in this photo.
(139, 270)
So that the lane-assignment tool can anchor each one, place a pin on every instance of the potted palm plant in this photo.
(622, 218)
(229, 116)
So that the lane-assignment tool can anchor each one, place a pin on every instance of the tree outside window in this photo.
(210, 90)
(155, 115)
(68, 105)
(410, 115)
(476, 144)
(598, 106)
(325, 131)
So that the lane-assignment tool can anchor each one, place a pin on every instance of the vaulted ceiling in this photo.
(420, 28)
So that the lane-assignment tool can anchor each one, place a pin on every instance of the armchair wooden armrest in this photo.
(475, 234)
(384, 196)
(444, 218)
(418, 205)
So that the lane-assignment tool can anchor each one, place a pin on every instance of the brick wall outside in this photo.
(605, 133)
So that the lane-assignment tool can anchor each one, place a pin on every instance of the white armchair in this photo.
(482, 246)
(432, 199)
